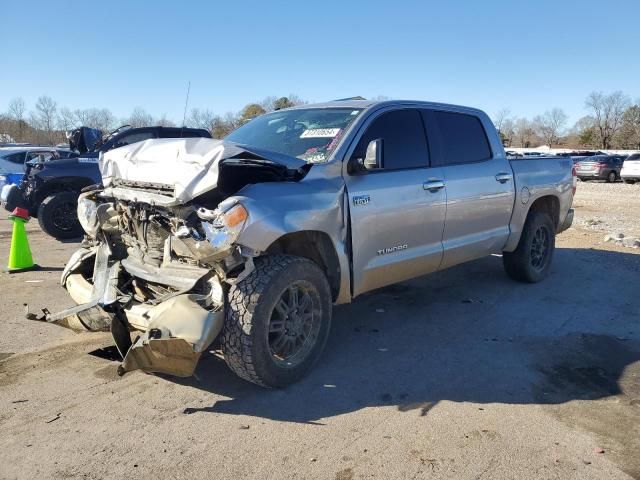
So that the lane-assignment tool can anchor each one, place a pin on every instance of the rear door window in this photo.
(462, 138)
(404, 144)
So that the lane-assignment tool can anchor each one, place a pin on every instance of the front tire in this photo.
(626, 180)
(612, 177)
(58, 216)
(531, 260)
(277, 321)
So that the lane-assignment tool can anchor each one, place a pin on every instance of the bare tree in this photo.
(16, 112)
(140, 118)
(500, 117)
(630, 131)
(201, 118)
(100, 118)
(220, 127)
(66, 119)
(524, 132)
(508, 132)
(550, 125)
(105, 121)
(583, 133)
(163, 121)
(608, 112)
(45, 117)
(232, 120)
(269, 104)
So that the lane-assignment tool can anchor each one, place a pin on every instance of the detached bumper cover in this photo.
(179, 331)
(175, 332)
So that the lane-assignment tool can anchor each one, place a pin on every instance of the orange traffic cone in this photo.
(20, 258)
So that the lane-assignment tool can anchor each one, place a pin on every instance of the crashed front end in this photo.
(157, 256)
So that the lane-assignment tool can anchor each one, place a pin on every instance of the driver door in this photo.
(397, 211)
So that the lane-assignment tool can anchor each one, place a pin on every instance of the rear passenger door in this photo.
(479, 183)
(397, 211)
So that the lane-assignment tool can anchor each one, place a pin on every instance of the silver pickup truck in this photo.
(247, 242)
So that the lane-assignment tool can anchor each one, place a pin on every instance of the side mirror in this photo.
(373, 157)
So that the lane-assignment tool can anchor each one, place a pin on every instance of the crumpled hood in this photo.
(190, 166)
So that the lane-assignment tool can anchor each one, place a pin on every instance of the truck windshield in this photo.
(310, 134)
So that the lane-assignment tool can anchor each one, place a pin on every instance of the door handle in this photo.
(433, 185)
(503, 177)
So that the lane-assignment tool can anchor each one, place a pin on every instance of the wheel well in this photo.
(550, 205)
(317, 247)
(70, 184)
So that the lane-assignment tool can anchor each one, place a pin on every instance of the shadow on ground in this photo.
(468, 334)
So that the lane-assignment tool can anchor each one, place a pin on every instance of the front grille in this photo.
(151, 187)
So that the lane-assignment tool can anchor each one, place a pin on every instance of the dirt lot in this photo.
(462, 374)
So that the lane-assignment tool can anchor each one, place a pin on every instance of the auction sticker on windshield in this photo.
(320, 133)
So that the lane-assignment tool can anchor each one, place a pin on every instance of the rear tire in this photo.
(612, 177)
(58, 217)
(271, 336)
(630, 182)
(531, 260)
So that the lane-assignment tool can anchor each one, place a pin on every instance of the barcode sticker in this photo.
(320, 133)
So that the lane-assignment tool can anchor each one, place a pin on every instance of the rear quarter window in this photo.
(462, 137)
(15, 158)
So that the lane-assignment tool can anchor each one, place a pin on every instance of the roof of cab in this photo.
(367, 104)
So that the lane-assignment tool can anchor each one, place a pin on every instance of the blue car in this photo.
(14, 160)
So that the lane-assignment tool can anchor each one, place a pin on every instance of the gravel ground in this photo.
(608, 207)
(460, 374)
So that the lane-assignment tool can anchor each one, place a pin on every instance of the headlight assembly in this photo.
(223, 228)
(87, 215)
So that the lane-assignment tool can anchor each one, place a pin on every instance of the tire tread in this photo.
(242, 301)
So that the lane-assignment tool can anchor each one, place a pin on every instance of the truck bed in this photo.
(535, 178)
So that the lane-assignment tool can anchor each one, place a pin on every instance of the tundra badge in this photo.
(397, 248)
(361, 199)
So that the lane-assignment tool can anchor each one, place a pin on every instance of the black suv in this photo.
(50, 189)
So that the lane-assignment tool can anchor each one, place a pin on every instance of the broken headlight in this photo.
(87, 215)
(223, 227)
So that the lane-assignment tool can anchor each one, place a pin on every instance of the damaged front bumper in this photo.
(174, 330)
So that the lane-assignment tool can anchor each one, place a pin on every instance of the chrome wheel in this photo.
(294, 324)
(540, 248)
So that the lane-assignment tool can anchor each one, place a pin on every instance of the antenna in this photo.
(186, 103)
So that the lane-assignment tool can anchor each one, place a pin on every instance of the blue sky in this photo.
(526, 56)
